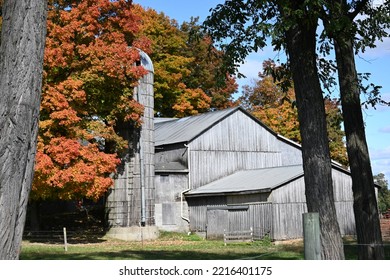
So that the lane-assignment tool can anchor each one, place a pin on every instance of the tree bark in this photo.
(365, 204)
(21, 59)
(301, 48)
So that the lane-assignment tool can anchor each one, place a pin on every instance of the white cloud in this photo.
(382, 49)
(381, 166)
(254, 63)
(380, 161)
(251, 68)
(378, 2)
(385, 129)
(379, 154)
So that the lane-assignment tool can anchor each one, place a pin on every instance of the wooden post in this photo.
(65, 241)
(311, 236)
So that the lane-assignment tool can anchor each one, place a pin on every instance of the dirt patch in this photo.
(385, 229)
(291, 242)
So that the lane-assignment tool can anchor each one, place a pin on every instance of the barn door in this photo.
(262, 220)
(239, 220)
(217, 222)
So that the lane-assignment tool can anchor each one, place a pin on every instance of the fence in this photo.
(238, 236)
(64, 236)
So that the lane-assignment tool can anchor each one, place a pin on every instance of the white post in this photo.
(311, 236)
(65, 241)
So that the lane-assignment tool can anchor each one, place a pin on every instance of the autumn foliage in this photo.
(89, 76)
(186, 63)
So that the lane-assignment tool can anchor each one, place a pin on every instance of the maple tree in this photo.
(275, 106)
(185, 64)
(89, 76)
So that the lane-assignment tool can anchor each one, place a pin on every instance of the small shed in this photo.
(270, 201)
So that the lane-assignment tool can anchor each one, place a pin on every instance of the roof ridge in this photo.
(183, 130)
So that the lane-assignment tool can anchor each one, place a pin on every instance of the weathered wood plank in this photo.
(238, 236)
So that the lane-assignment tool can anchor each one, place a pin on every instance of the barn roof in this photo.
(250, 181)
(184, 130)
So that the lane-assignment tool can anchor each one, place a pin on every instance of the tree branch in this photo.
(359, 7)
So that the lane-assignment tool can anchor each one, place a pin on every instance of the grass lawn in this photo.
(172, 246)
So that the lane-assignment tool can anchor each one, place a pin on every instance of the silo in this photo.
(130, 204)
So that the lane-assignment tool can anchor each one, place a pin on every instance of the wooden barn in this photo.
(227, 171)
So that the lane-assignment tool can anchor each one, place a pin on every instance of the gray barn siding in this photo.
(168, 201)
(217, 222)
(225, 149)
(344, 202)
(346, 217)
(342, 186)
(238, 220)
(262, 220)
(287, 220)
(208, 166)
(281, 217)
(198, 211)
(292, 192)
(295, 190)
(214, 215)
(288, 205)
(232, 134)
(290, 152)
(170, 186)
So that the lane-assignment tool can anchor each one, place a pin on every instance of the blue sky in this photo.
(375, 61)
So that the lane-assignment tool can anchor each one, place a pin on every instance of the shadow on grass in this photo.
(201, 250)
(156, 255)
(169, 249)
(351, 249)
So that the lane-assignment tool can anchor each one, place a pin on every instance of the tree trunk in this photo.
(22, 44)
(365, 204)
(301, 46)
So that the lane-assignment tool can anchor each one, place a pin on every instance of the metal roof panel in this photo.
(251, 180)
(188, 128)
